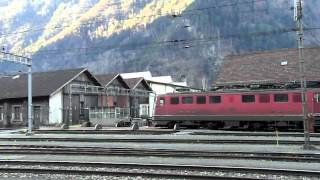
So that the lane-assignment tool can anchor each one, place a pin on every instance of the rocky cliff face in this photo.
(177, 37)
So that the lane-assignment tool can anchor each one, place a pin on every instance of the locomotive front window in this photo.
(174, 100)
(264, 98)
(248, 98)
(201, 100)
(187, 100)
(281, 98)
(215, 99)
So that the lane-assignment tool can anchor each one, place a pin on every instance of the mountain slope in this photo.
(184, 38)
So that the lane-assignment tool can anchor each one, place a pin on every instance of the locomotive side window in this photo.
(248, 98)
(201, 99)
(264, 98)
(281, 98)
(215, 99)
(187, 100)
(174, 100)
(296, 97)
(162, 102)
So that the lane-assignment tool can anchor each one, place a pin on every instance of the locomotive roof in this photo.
(277, 66)
(243, 91)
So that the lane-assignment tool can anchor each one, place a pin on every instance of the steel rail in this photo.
(176, 141)
(248, 170)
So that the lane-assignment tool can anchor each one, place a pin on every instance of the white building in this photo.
(160, 85)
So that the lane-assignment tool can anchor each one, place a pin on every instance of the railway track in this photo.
(148, 170)
(175, 141)
(99, 151)
(168, 131)
(104, 131)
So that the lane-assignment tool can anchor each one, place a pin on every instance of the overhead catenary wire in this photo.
(170, 43)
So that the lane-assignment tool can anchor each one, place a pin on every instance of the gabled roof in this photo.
(278, 66)
(43, 83)
(107, 79)
(134, 82)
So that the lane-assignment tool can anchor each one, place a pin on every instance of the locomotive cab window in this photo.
(187, 100)
(248, 98)
(161, 102)
(174, 100)
(281, 98)
(201, 100)
(215, 99)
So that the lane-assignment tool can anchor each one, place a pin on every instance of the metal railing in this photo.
(109, 113)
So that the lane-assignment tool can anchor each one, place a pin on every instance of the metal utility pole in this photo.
(30, 120)
(300, 35)
(13, 58)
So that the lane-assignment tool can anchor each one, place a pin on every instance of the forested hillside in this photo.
(183, 38)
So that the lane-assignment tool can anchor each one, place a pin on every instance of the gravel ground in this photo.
(28, 176)
(149, 170)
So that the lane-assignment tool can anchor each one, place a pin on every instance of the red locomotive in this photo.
(256, 109)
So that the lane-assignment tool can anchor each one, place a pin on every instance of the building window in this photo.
(187, 100)
(161, 101)
(215, 99)
(16, 114)
(174, 100)
(201, 99)
(1, 113)
(281, 98)
(264, 98)
(296, 97)
(248, 98)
